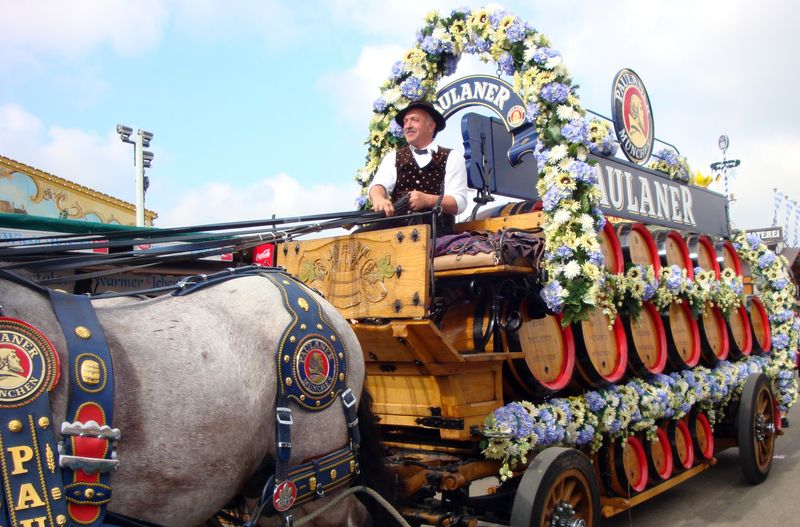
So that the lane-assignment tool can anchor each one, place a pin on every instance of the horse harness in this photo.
(310, 361)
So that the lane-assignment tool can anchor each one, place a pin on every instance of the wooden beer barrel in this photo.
(647, 342)
(612, 252)
(601, 353)
(680, 439)
(683, 336)
(703, 253)
(464, 324)
(740, 335)
(728, 258)
(549, 357)
(759, 322)
(672, 250)
(702, 435)
(638, 245)
(714, 341)
(625, 467)
(659, 457)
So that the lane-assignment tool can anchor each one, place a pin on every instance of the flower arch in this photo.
(566, 183)
(566, 180)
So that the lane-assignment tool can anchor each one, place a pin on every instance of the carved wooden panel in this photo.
(372, 274)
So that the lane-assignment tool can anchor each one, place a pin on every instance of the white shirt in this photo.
(455, 174)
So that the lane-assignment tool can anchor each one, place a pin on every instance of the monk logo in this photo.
(516, 116)
(633, 116)
(28, 363)
(284, 496)
(315, 366)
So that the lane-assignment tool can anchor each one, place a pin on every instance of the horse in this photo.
(195, 382)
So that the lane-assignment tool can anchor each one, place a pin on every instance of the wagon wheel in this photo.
(756, 428)
(558, 488)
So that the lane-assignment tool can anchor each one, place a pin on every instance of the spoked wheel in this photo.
(557, 489)
(756, 428)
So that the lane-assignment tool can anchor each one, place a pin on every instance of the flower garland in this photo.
(676, 166)
(566, 182)
(621, 410)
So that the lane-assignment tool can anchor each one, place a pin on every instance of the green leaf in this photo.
(385, 269)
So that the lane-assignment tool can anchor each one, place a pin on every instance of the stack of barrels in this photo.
(593, 353)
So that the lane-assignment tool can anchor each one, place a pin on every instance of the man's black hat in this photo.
(428, 107)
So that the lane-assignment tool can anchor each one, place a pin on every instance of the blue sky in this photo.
(261, 107)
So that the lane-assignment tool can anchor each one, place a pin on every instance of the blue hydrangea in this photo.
(431, 45)
(551, 294)
(783, 315)
(780, 341)
(601, 218)
(585, 436)
(564, 252)
(361, 201)
(531, 112)
(649, 291)
(480, 45)
(450, 64)
(461, 11)
(506, 63)
(398, 70)
(516, 418)
(780, 283)
(554, 92)
(594, 401)
(767, 259)
(412, 88)
(497, 17)
(379, 105)
(516, 32)
(753, 240)
(542, 55)
(553, 197)
(395, 129)
(575, 131)
(583, 172)
(596, 258)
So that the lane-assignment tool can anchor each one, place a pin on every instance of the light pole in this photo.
(141, 160)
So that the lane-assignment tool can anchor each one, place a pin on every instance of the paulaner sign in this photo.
(631, 192)
(482, 90)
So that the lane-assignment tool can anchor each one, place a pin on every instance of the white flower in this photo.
(561, 216)
(441, 33)
(571, 270)
(552, 62)
(530, 49)
(587, 222)
(392, 95)
(557, 152)
(567, 113)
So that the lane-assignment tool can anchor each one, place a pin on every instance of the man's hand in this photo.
(418, 201)
(384, 205)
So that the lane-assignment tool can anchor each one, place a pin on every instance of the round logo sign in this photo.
(516, 116)
(28, 363)
(633, 116)
(284, 495)
(315, 366)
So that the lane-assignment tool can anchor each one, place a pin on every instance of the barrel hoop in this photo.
(730, 251)
(609, 236)
(635, 445)
(674, 356)
(625, 232)
(686, 460)
(722, 331)
(584, 362)
(763, 338)
(637, 364)
(740, 315)
(663, 442)
(704, 448)
(662, 239)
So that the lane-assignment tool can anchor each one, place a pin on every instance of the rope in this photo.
(352, 490)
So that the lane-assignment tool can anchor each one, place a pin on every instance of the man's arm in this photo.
(383, 184)
(380, 200)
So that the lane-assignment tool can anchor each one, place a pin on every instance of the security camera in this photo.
(147, 157)
(124, 130)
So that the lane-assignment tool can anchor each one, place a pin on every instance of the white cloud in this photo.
(72, 29)
(100, 162)
(281, 195)
(356, 88)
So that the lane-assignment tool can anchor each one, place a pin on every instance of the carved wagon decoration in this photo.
(602, 368)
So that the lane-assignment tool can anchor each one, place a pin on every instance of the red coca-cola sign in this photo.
(264, 255)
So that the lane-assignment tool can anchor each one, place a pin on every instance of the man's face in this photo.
(418, 128)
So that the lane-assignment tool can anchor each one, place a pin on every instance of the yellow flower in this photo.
(479, 21)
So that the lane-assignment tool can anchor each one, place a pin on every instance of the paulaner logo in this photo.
(28, 363)
(633, 116)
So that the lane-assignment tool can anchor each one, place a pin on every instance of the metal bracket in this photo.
(399, 237)
(447, 423)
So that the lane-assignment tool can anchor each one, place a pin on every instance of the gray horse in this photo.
(195, 396)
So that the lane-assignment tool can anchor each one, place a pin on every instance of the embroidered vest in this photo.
(428, 179)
